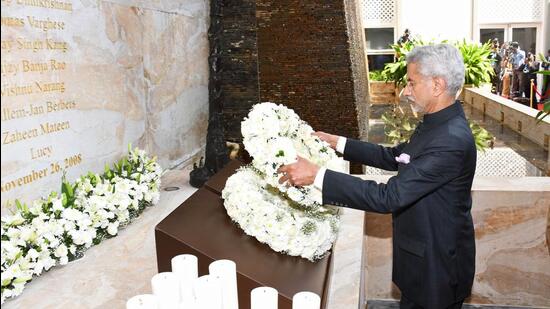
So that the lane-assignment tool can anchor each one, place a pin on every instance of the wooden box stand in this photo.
(201, 226)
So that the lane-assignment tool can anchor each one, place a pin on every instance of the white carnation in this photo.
(112, 228)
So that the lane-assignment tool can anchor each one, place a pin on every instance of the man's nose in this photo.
(407, 90)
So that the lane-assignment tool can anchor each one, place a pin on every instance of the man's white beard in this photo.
(415, 107)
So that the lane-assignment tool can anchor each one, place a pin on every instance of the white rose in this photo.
(147, 196)
(71, 214)
(112, 228)
(32, 254)
(84, 221)
(38, 267)
(27, 234)
(18, 287)
(48, 262)
(61, 251)
(13, 232)
(10, 251)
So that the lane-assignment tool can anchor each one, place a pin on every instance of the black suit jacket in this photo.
(430, 202)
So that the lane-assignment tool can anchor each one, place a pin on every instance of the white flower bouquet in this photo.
(59, 228)
(291, 220)
(274, 135)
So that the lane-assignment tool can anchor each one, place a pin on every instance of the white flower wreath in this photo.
(289, 219)
(274, 135)
(266, 215)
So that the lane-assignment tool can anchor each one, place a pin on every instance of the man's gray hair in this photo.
(440, 60)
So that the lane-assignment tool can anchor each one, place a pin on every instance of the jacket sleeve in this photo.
(372, 154)
(420, 177)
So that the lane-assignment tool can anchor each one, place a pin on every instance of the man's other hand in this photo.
(329, 138)
(301, 173)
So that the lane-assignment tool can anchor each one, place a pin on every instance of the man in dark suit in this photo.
(430, 198)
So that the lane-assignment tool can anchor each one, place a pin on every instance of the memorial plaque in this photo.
(83, 79)
(38, 99)
(201, 226)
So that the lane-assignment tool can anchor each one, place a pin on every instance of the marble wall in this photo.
(511, 217)
(82, 79)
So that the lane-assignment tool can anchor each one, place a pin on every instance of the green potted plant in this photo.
(397, 72)
(398, 126)
(380, 90)
(478, 69)
(477, 64)
(482, 137)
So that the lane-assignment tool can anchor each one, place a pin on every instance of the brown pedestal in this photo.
(201, 226)
(216, 183)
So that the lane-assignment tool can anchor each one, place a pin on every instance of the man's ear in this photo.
(439, 86)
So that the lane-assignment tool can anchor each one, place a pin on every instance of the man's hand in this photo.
(300, 173)
(329, 138)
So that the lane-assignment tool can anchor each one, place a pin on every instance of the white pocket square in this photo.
(403, 158)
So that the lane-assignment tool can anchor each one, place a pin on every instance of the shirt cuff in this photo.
(318, 182)
(341, 144)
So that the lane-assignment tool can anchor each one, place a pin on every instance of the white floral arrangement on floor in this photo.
(290, 220)
(59, 228)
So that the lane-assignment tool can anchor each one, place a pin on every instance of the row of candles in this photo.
(182, 288)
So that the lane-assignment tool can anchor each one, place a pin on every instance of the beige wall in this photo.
(134, 72)
(511, 218)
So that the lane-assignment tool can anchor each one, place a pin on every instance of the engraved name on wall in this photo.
(45, 122)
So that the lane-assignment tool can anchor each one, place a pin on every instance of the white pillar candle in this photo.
(185, 266)
(227, 271)
(208, 294)
(306, 300)
(264, 298)
(189, 304)
(166, 287)
(145, 301)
